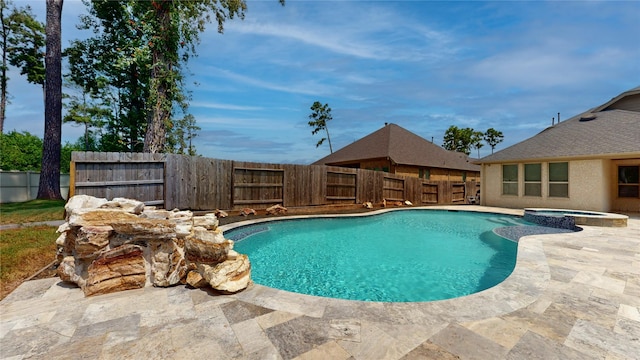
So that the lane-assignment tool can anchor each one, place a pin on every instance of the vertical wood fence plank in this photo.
(168, 184)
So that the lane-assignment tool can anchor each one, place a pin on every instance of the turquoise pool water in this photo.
(398, 256)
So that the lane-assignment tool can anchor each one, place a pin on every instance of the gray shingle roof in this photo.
(402, 147)
(597, 134)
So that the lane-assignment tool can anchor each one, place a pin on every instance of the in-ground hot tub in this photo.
(568, 219)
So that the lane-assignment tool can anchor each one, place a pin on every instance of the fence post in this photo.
(164, 182)
(28, 182)
(72, 179)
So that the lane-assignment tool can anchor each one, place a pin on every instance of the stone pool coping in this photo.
(525, 284)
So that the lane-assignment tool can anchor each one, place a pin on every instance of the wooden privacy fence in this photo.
(111, 175)
(198, 183)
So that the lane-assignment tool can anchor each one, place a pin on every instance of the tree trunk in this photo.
(49, 187)
(155, 136)
(136, 118)
(3, 79)
(328, 139)
(3, 87)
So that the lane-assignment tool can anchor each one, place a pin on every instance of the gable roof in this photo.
(619, 102)
(402, 147)
(611, 130)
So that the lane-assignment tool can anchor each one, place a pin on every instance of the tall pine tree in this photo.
(49, 186)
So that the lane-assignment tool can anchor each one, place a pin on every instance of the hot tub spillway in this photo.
(559, 220)
(568, 219)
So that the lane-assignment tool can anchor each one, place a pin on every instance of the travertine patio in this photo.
(571, 296)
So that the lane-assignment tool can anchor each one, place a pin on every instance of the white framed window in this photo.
(533, 179)
(510, 179)
(559, 179)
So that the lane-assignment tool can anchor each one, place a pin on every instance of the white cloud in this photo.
(328, 41)
(307, 87)
(362, 30)
(546, 67)
(214, 105)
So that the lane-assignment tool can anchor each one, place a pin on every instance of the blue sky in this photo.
(424, 65)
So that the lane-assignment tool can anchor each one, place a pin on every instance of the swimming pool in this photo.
(398, 256)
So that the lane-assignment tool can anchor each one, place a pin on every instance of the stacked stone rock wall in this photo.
(107, 246)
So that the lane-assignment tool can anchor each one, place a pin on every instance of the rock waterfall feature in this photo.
(108, 246)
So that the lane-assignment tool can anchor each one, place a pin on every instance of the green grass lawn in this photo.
(24, 251)
(31, 211)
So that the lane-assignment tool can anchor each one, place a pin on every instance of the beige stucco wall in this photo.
(589, 187)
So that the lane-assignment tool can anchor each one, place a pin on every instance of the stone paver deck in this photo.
(571, 296)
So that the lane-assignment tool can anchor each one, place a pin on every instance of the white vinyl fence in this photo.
(19, 186)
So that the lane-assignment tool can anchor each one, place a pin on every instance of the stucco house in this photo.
(588, 162)
(396, 150)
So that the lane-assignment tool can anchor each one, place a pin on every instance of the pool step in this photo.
(506, 221)
(245, 233)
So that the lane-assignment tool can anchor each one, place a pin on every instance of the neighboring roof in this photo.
(402, 147)
(603, 132)
(609, 104)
